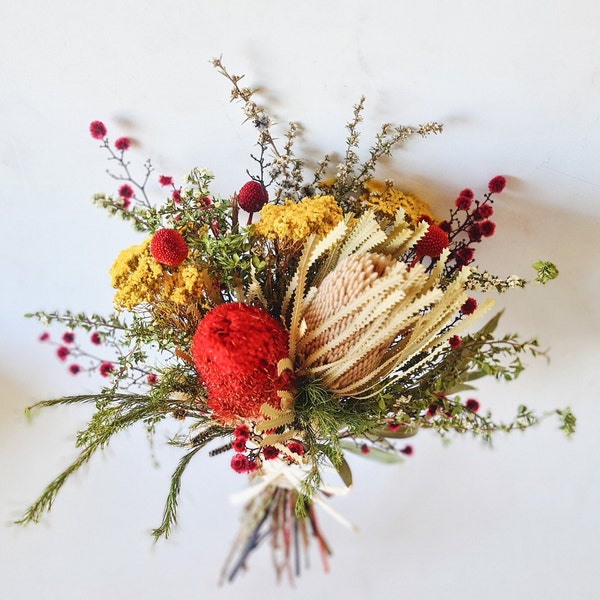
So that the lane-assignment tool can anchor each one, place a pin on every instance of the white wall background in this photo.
(517, 84)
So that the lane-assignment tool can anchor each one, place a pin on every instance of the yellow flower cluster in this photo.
(296, 221)
(138, 278)
(388, 200)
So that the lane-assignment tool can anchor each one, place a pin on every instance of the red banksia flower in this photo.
(454, 342)
(252, 196)
(270, 452)
(122, 143)
(472, 404)
(126, 191)
(468, 308)
(97, 129)
(240, 463)
(236, 349)
(432, 243)
(95, 338)
(74, 369)
(497, 184)
(106, 368)
(164, 180)
(487, 228)
(62, 352)
(168, 247)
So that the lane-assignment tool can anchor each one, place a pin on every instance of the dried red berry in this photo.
(252, 196)
(168, 247)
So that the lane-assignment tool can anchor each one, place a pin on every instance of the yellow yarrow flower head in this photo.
(139, 278)
(387, 200)
(294, 222)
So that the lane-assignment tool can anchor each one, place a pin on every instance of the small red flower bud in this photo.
(468, 308)
(365, 449)
(407, 450)
(106, 368)
(74, 369)
(497, 184)
(240, 463)
(239, 445)
(270, 452)
(126, 191)
(472, 404)
(45, 336)
(455, 342)
(62, 352)
(122, 143)
(164, 180)
(97, 130)
(68, 337)
(95, 338)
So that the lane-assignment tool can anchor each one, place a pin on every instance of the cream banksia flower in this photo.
(373, 313)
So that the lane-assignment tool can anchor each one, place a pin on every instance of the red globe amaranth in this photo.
(168, 247)
(252, 196)
(97, 130)
(122, 143)
(432, 243)
(497, 184)
(236, 349)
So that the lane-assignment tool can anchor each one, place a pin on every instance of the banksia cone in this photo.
(352, 278)
(236, 350)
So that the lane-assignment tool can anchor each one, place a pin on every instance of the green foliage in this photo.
(545, 271)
